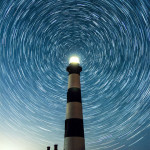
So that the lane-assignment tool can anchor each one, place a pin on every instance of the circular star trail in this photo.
(112, 40)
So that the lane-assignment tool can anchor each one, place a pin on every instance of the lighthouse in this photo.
(74, 128)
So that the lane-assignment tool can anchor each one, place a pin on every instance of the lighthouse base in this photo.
(74, 143)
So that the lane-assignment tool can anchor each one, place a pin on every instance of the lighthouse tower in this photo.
(74, 129)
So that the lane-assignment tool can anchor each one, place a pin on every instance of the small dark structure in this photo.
(48, 148)
(55, 147)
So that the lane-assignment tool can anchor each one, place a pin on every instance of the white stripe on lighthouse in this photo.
(74, 80)
(74, 143)
(74, 110)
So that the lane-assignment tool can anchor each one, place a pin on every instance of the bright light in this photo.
(74, 60)
(16, 143)
(9, 146)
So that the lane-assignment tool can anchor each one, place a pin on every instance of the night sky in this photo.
(112, 40)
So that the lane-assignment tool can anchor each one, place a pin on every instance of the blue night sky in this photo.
(112, 40)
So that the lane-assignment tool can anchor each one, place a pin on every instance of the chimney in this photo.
(55, 147)
(48, 148)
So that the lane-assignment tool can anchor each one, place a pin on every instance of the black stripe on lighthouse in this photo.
(74, 127)
(74, 95)
(74, 69)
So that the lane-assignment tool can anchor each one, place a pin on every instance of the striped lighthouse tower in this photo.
(74, 130)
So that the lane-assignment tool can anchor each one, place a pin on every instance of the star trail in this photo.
(112, 40)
